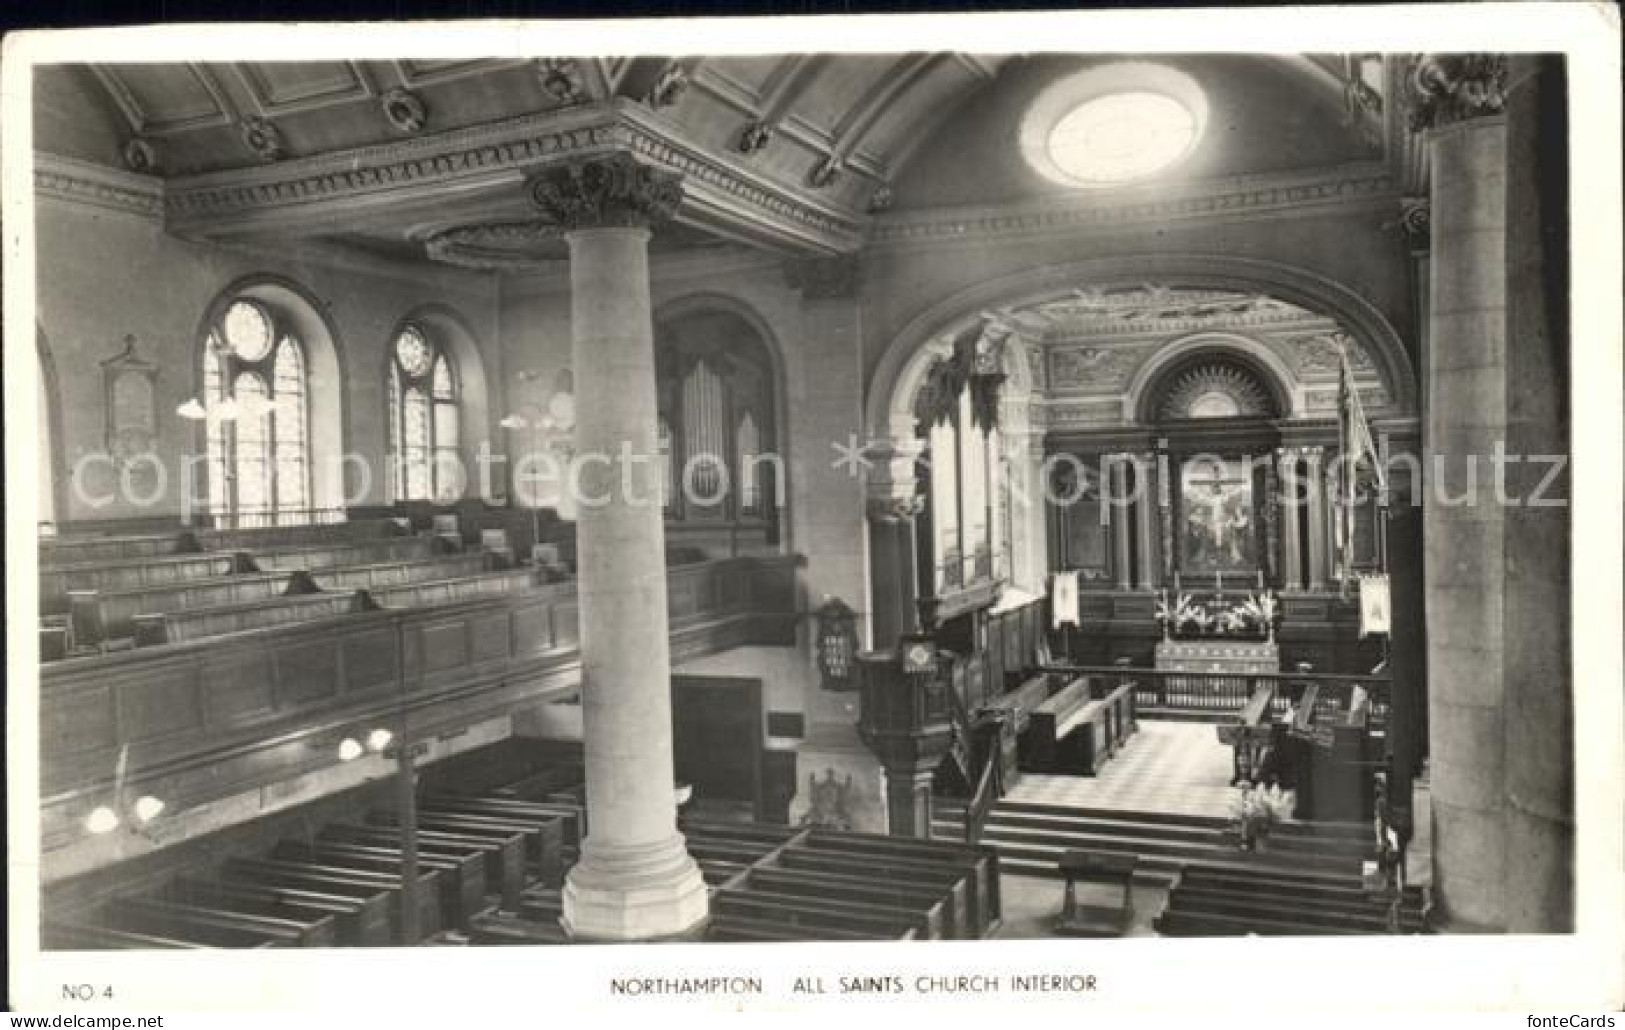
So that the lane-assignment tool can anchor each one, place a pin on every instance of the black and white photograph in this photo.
(1075, 493)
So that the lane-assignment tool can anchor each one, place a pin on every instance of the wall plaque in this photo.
(131, 412)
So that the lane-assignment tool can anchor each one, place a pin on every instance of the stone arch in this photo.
(325, 370)
(1145, 388)
(901, 368)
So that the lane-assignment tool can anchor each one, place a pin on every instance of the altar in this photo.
(1229, 657)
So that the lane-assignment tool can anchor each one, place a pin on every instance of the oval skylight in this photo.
(1121, 137)
(1113, 124)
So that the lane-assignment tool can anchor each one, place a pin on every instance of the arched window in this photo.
(257, 419)
(425, 433)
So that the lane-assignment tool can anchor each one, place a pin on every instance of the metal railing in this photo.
(1230, 692)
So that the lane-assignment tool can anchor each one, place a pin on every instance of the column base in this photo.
(634, 892)
(840, 785)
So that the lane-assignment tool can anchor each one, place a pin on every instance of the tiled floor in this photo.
(1167, 766)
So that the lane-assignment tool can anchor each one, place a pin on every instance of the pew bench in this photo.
(1250, 735)
(357, 922)
(543, 834)
(503, 853)
(296, 928)
(954, 885)
(204, 926)
(938, 912)
(396, 573)
(741, 929)
(273, 537)
(82, 550)
(449, 591)
(326, 556)
(359, 883)
(1049, 724)
(461, 882)
(572, 812)
(127, 574)
(72, 936)
(101, 615)
(822, 914)
(200, 623)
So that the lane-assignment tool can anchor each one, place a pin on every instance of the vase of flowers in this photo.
(1255, 811)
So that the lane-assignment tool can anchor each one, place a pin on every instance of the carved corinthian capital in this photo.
(1446, 88)
(608, 192)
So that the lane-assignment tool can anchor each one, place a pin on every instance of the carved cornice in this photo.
(833, 278)
(721, 189)
(1447, 88)
(608, 192)
(1224, 200)
(505, 247)
(78, 182)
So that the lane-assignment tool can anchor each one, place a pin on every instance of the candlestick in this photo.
(1260, 579)
(1176, 581)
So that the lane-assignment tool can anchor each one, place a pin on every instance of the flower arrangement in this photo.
(1255, 613)
(1254, 812)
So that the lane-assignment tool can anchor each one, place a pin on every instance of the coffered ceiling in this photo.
(414, 157)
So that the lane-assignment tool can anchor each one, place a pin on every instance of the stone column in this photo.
(1120, 521)
(1500, 708)
(1145, 519)
(1317, 524)
(1291, 502)
(828, 516)
(635, 879)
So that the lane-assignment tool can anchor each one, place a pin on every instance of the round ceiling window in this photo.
(1113, 124)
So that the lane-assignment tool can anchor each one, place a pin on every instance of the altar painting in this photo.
(1216, 502)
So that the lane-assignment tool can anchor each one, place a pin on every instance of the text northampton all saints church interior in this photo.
(802, 497)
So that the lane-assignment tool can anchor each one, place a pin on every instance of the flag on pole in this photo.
(1376, 613)
(1356, 449)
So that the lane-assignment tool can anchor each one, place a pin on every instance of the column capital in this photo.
(831, 278)
(612, 191)
(1443, 89)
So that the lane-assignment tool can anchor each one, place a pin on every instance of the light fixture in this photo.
(102, 820)
(513, 422)
(378, 740)
(192, 409)
(147, 808)
(350, 749)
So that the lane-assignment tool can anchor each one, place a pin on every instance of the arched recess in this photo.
(451, 331)
(325, 375)
(902, 367)
(707, 302)
(53, 452)
(1145, 388)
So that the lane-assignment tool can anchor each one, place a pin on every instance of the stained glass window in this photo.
(425, 430)
(256, 421)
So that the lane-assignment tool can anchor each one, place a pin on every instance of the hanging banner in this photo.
(1376, 614)
(1063, 599)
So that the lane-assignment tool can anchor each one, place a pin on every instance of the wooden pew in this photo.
(299, 927)
(57, 934)
(83, 550)
(1049, 724)
(357, 922)
(741, 929)
(573, 815)
(461, 881)
(503, 853)
(543, 835)
(934, 904)
(100, 615)
(273, 537)
(448, 591)
(817, 914)
(126, 574)
(395, 573)
(205, 926)
(345, 880)
(326, 556)
(200, 623)
(980, 864)
(956, 885)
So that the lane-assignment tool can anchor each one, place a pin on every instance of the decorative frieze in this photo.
(262, 137)
(612, 191)
(754, 138)
(1443, 89)
(82, 183)
(404, 110)
(561, 78)
(508, 246)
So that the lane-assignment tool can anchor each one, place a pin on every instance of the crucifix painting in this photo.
(1216, 500)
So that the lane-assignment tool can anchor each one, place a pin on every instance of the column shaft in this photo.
(1317, 525)
(1291, 502)
(1121, 565)
(1145, 519)
(635, 880)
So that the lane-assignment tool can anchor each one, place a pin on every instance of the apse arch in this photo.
(902, 366)
(1145, 388)
(452, 331)
(326, 380)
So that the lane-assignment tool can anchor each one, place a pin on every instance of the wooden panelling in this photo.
(489, 638)
(444, 645)
(369, 659)
(78, 720)
(158, 706)
(307, 672)
(237, 687)
(567, 625)
(532, 628)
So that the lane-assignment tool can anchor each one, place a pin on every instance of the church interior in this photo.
(805, 496)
